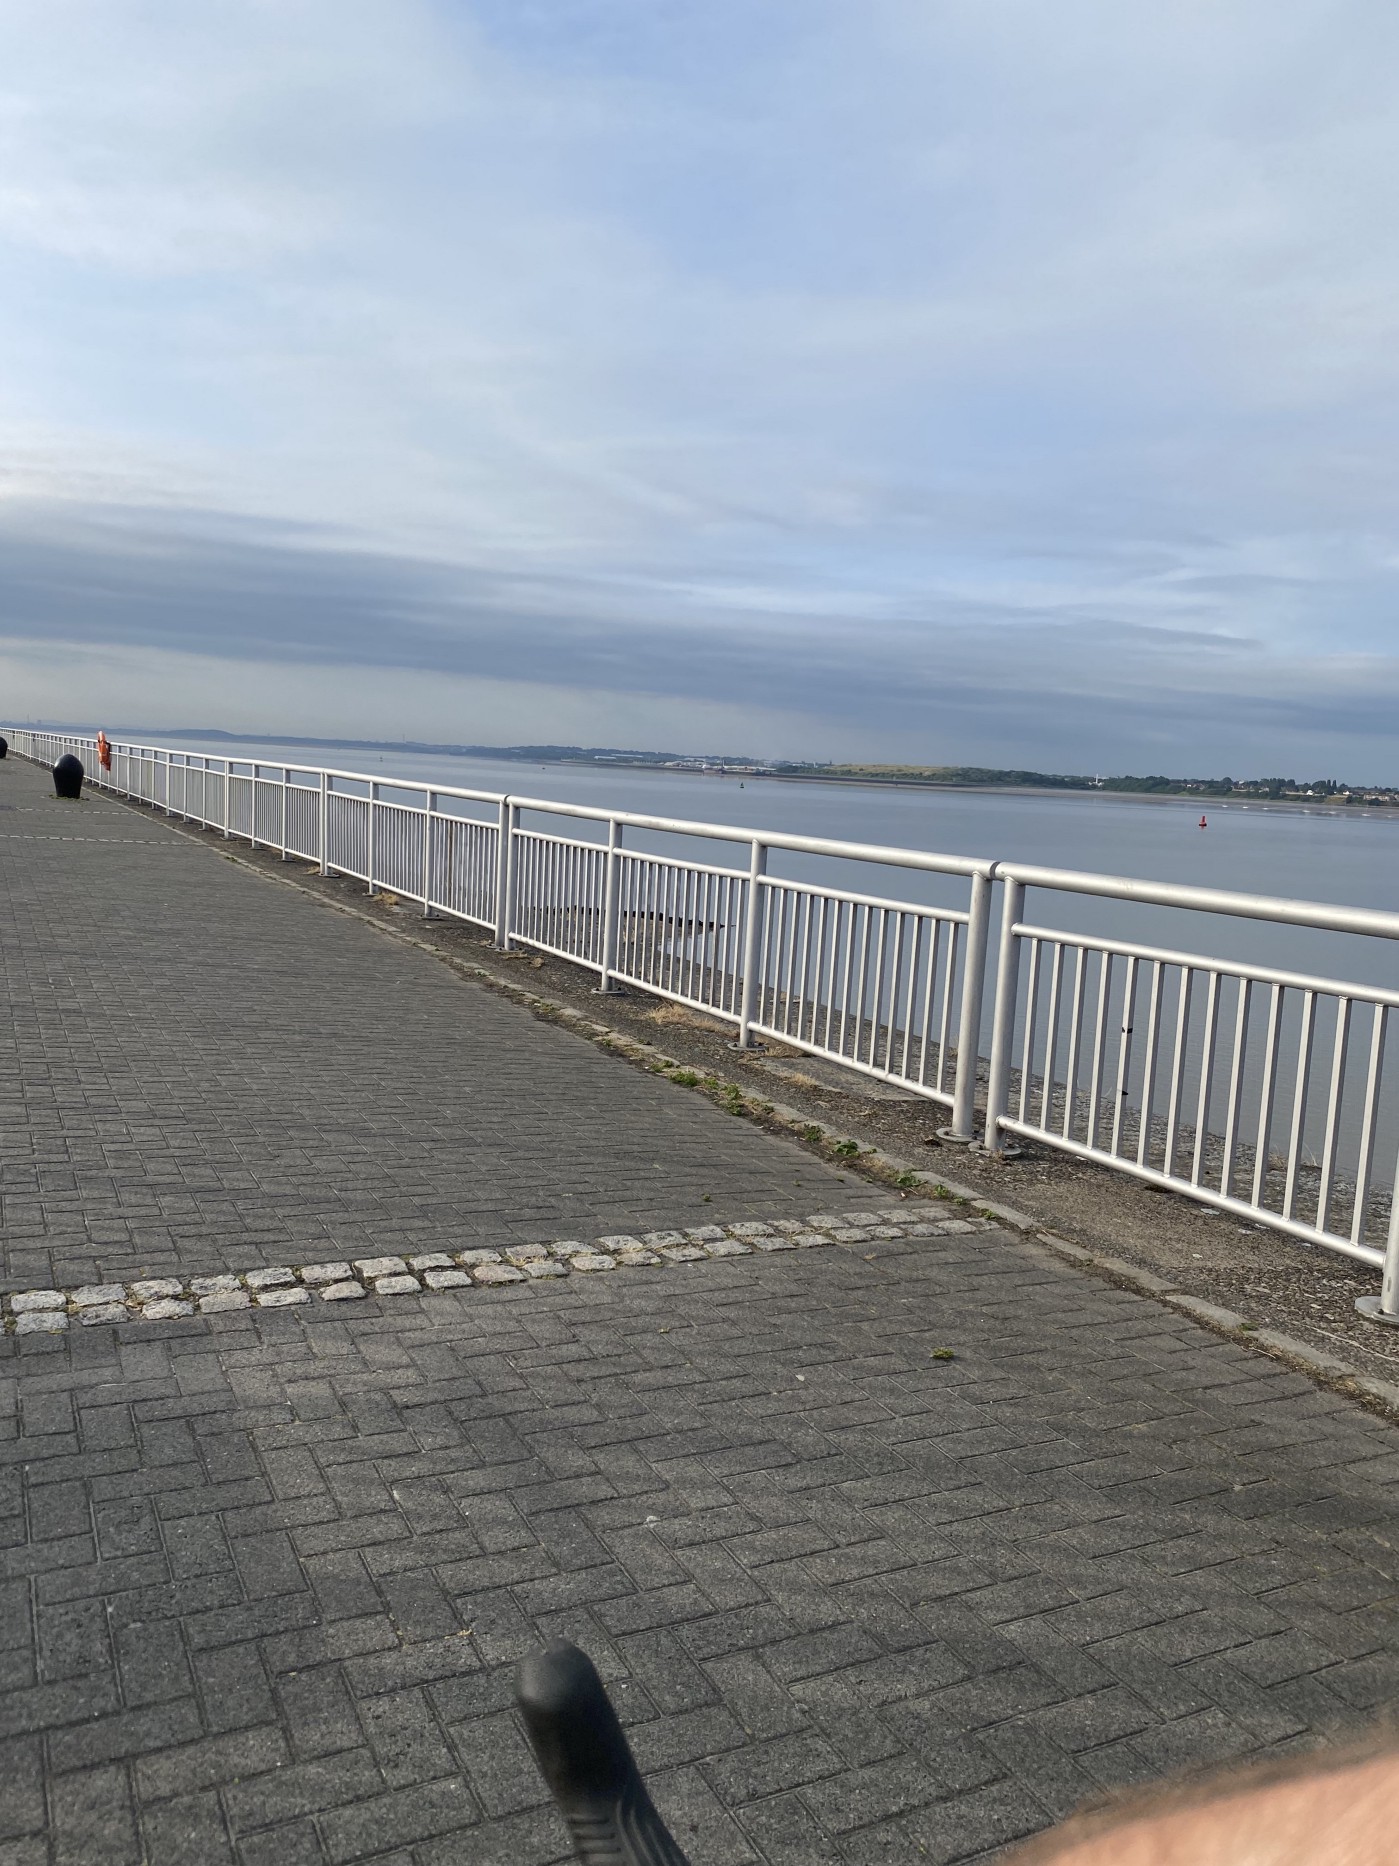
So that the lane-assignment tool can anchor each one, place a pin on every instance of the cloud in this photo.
(257, 610)
(1007, 385)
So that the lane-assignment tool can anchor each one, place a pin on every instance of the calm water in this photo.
(1316, 855)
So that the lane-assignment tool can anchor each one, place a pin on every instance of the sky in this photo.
(957, 381)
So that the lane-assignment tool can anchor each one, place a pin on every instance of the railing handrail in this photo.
(1327, 916)
(926, 860)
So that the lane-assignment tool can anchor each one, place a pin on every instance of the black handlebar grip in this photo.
(587, 1763)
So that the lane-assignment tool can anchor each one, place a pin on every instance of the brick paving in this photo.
(264, 1574)
(206, 1071)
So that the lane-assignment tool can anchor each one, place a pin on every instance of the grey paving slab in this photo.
(265, 1575)
(203, 1071)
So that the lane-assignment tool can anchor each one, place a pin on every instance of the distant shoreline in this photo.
(1288, 805)
(668, 765)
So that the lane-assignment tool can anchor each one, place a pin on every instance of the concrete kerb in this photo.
(869, 1162)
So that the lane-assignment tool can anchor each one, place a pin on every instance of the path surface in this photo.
(207, 1071)
(264, 1575)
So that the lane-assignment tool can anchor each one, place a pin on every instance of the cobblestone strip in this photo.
(169, 1298)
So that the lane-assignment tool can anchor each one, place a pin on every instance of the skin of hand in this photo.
(1329, 1814)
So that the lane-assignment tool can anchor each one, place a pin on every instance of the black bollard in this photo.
(4, 745)
(587, 1762)
(68, 776)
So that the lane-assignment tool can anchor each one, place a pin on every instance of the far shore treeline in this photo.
(939, 777)
(977, 777)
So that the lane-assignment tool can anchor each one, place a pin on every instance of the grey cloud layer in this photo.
(1030, 688)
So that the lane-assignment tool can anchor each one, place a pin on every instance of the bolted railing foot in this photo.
(587, 1763)
(954, 1139)
(1385, 1307)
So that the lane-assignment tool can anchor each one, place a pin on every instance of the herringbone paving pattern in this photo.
(264, 1574)
(202, 1071)
(268, 1573)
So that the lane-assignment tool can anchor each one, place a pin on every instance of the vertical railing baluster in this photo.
(1233, 1114)
(1301, 1090)
(1077, 1009)
(963, 1126)
(1340, 1052)
(1179, 1060)
(1150, 1052)
(1123, 1085)
(1030, 997)
(1365, 1162)
(1267, 1093)
(1051, 1034)
(754, 915)
(1003, 1027)
(505, 873)
(1209, 1045)
(429, 850)
(1098, 1063)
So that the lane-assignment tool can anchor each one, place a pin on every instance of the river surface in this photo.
(1312, 854)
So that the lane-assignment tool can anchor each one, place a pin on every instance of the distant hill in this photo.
(942, 777)
(982, 777)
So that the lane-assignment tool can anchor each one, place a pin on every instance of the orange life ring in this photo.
(104, 751)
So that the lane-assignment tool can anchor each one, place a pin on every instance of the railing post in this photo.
(752, 933)
(1385, 1306)
(286, 786)
(1003, 1028)
(505, 874)
(369, 854)
(227, 795)
(612, 887)
(427, 858)
(963, 1126)
(323, 818)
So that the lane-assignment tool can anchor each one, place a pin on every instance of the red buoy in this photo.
(1204, 824)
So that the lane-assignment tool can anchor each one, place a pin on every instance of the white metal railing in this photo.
(1255, 1090)
(886, 987)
